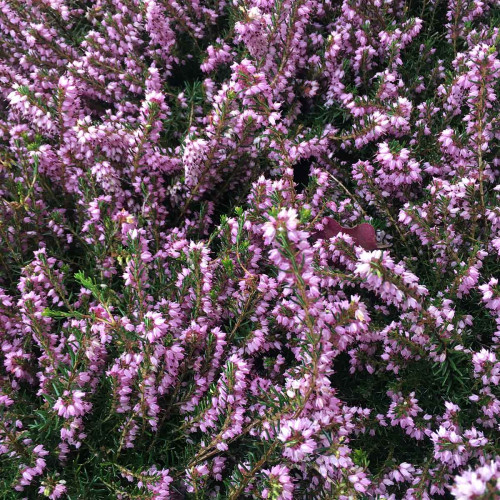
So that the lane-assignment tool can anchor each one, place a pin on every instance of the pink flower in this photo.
(72, 404)
(298, 437)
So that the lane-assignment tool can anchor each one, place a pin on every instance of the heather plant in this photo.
(250, 249)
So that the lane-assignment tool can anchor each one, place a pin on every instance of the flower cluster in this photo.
(250, 249)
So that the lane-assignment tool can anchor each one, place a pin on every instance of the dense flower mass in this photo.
(249, 249)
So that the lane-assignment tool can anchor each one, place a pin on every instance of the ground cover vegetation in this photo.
(249, 249)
